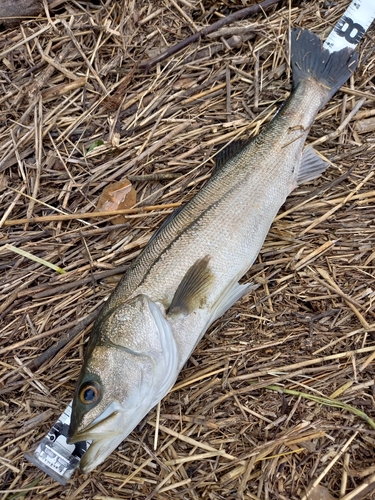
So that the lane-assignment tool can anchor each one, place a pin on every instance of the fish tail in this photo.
(310, 60)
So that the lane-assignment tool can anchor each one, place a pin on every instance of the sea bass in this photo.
(188, 275)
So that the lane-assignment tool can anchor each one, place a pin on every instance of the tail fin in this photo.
(310, 60)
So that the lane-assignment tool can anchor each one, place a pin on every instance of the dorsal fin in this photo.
(166, 222)
(225, 154)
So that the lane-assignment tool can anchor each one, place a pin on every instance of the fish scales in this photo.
(237, 206)
(187, 276)
(254, 183)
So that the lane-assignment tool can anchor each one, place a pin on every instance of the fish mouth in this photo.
(97, 452)
(96, 431)
(106, 434)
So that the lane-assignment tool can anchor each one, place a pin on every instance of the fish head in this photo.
(130, 364)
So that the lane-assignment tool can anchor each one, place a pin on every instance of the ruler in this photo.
(352, 25)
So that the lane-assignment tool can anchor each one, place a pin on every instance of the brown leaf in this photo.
(117, 196)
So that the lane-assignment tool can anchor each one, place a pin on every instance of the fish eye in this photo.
(89, 393)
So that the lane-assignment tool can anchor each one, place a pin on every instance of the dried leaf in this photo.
(117, 196)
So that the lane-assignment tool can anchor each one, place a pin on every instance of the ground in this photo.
(277, 401)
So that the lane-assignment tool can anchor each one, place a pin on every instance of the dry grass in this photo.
(70, 79)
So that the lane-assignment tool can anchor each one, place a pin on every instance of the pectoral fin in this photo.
(193, 289)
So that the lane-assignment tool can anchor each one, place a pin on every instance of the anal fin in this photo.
(312, 166)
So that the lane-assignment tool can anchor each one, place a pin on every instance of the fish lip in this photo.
(85, 468)
(84, 434)
(102, 442)
(92, 458)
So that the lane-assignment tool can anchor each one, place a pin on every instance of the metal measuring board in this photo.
(54, 455)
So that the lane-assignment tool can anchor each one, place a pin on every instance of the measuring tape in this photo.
(352, 25)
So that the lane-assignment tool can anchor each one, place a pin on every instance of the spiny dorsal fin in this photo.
(224, 155)
(192, 291)
(166, 222)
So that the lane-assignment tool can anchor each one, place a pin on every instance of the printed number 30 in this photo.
(348, 29)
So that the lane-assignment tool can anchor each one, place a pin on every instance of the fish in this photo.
(189, 273)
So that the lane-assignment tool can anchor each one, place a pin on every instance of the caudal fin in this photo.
(310, 60)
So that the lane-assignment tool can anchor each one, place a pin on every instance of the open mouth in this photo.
(104, 441)
(93, 455)
(105, 432)
(101, 428)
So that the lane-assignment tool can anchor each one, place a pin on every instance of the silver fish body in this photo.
(188, 274)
